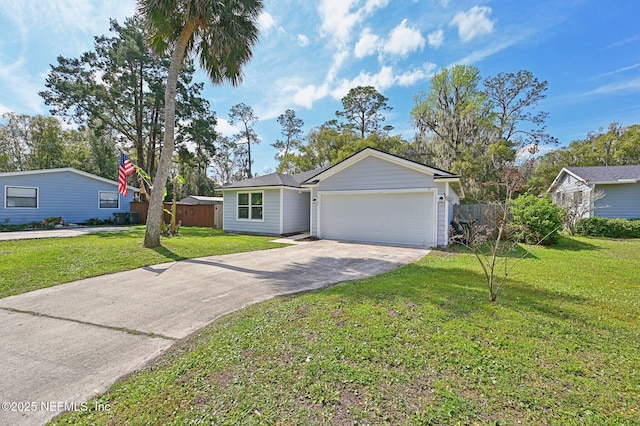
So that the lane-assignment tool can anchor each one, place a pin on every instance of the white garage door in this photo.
(391, 218)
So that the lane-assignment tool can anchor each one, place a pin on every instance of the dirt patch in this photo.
(309, 239)
(443, 253)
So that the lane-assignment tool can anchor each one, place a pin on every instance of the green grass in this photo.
(32, 264)
(419, 345)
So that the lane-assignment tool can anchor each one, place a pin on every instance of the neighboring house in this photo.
(371, 196)
(578, 188)
(76, 196)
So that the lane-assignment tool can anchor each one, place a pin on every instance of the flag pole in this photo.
(137, 168)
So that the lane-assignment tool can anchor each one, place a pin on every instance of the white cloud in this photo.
(632, 85)
(384, 79)
(338, 59)
(473, 23)
(367, 45)
(303, 40)
(404, 40)
(306, 96)
(225, 128)
(436, 38)
(381, 80)
(417, 75)
(372, 5)
(619, 70)
(4, 109)
(338, 18)
(266, 22)
(16, 80)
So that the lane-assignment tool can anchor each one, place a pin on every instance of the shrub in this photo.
(612, 228)
(536, 220)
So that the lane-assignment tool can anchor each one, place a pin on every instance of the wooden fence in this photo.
(208, 215)
(480, 214)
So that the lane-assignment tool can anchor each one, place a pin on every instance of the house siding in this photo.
(443, 223)
(296, 211)
(620, 201)
(270, 225)
(373, 173)
(64, 193)
(566, 190)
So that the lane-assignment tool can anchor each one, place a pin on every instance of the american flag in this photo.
(126, 168)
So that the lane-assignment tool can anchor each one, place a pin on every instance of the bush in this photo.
(536, 220)
(612, 228)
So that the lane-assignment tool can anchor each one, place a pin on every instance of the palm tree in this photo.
(221, 34)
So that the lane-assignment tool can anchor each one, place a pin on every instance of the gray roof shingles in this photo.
(276, 179)
(606, 173)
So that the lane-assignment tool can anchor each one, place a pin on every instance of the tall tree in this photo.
(244, 116)
(221, 34)
(118, 85)
(363, 107)
(292, 131)
(477, 130)
(513, 97)
(455, 129)
(227, 162)
(14, 141)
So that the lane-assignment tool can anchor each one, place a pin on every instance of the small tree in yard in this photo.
(495, 243)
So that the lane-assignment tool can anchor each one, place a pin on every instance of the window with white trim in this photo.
(108, 200)
(250, 205)
(21, 197)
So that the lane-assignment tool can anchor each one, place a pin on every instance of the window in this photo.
(21, 197)
(577, 198)
(250, 205)
(109, 200)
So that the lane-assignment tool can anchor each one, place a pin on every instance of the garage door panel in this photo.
(394, 218)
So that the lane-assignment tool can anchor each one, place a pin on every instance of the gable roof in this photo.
(310, 178)
(600, 175)
(274, 180)
(372, 152)
(65, 169)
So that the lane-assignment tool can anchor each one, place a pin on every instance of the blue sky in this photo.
(311, 53)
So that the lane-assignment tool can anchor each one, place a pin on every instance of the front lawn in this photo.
(32, 264)
(419, 345)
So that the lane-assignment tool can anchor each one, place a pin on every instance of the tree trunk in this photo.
(154, 215)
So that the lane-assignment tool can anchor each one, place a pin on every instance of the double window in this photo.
(108, 200)
(21, 197)
(250, 205)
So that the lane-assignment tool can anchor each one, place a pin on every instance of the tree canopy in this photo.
(363, 107)
(476, 128)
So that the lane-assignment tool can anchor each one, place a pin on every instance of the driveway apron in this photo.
(63, 344)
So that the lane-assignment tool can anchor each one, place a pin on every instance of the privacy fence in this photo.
(480, 214)
(207, 215)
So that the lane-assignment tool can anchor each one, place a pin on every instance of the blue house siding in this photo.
(296, 211)
(270, 225)
(620, 201)
(373, 173)
(68, 193)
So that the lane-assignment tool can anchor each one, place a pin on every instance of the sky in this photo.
(310, 53)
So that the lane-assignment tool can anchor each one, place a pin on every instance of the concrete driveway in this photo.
(64, 344)
(58, 233)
